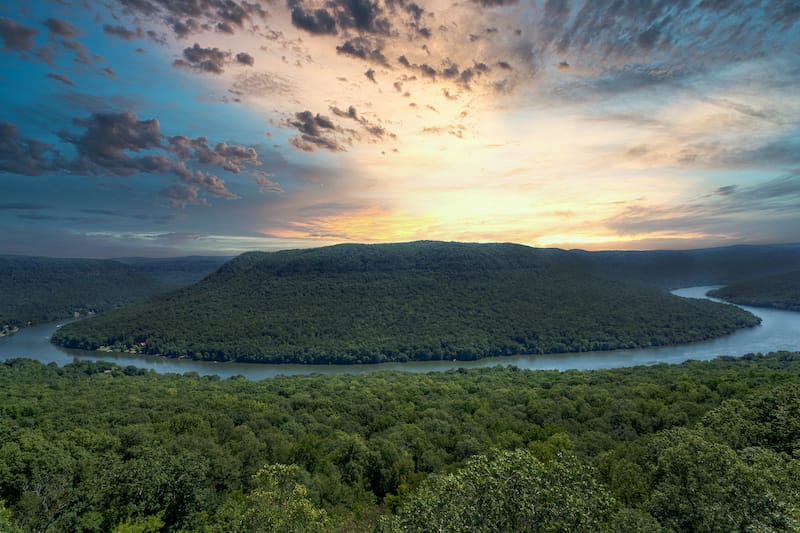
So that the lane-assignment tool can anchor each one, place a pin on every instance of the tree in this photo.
(703, 486)
(510, 491)
(280, 504)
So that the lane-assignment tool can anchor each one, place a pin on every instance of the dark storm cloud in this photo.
(122, 32)
(61, 78)
(363, 48)
(61, 28)
(16, 37)
(19, 155)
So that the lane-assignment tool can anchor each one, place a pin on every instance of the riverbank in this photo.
(777, 332)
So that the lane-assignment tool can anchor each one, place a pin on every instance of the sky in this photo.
(215, 127)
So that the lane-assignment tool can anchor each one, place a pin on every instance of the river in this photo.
(778, 331)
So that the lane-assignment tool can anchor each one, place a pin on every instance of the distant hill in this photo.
(688, 268)
(398, 302)
(781, 292)
(175, 272)
(42, 289)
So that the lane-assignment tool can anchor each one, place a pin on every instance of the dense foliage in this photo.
(701, 446)
(688, 268)
(781, 292)
(416, 301)
(175, 272)
(42, 289)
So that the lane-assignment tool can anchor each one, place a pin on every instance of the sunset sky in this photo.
(177, 127)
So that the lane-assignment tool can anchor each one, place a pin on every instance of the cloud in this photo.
(716, 214)
(362, 16)
(120, 144)
(363, 48)
(317, 131)
(262, 84)
(179, 196)
(20, 155)
(61, 28)
(16, 37)
(203, 59)
(245, 59)
(193, 16)
(375, 131)
(317, 22)
(210, 59)
(122, 32)
(267, 185)
(230, 157)
(61, 78)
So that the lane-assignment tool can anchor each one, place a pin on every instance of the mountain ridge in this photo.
(398, 302)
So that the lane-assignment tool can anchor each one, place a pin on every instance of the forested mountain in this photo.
(41, 289)
(688, 268)
(701, 446)
(175, 272)
(780, 292)
(414, 301)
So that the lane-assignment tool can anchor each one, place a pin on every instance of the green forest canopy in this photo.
(700, 446)
(780, 291)
(400, 302)
(42, 289)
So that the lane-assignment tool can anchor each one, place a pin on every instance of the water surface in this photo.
(779, 330)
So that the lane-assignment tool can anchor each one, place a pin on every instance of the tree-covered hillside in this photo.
(781, 292)
(415, 301)
(42, 289)
(701, 446)
(175, 272)
(688, 268)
